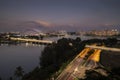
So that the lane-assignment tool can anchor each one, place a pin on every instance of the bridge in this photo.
(32, 40)
(103, 48)
(87, 59)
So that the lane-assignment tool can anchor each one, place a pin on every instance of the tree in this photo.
(19, 72)
(78, 39)
(111, 41)
(11, 78)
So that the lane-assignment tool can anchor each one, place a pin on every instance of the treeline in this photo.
(57, 55)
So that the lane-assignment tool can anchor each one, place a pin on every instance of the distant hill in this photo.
(45, 26)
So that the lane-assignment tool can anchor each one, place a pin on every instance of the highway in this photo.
(72, 68)
(85, 60)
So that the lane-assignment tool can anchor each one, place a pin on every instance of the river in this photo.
(13, 56)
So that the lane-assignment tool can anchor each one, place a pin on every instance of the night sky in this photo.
(82, 14)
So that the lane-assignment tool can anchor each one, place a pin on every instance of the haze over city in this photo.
(71, 15)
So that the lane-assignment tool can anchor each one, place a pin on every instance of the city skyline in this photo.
(59, 14)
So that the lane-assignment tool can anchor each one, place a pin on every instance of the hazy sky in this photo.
(61, 12)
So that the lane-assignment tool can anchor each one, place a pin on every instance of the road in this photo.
(71, 70)
(82, 62)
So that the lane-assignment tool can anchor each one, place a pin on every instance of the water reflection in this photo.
(23, 55)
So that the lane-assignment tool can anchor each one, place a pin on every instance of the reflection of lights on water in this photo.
(26, 44)
(31, 44)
